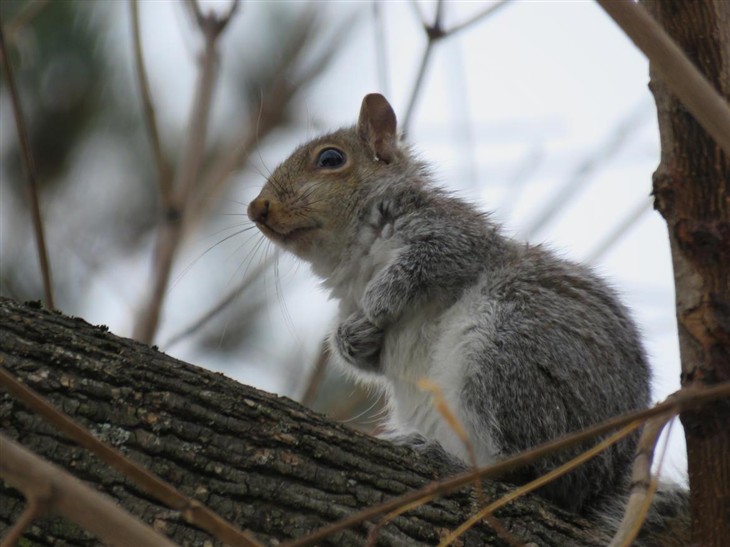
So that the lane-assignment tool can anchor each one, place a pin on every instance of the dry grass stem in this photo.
(643, 485)
(161, 162)
(540, 481)
(674, 68)
(191, 510)
(62, 493)
(30, 171)
(683, 399)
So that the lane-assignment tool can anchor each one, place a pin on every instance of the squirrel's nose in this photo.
(258, 210)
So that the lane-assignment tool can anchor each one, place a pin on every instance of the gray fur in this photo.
(524, 345)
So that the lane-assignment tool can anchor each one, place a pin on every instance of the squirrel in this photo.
(524, 345)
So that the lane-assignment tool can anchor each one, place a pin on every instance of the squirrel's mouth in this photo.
(286, 236)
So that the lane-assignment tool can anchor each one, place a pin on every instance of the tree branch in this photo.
(30, 171)
(62, 493)
(674, 68)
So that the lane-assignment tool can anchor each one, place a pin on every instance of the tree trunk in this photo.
(692, 190)
(264, 462)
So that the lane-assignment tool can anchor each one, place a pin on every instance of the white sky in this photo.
(541, 82)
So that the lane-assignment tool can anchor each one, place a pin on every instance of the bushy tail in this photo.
(667, 523)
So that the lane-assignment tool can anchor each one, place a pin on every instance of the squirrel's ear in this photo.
(377, 126)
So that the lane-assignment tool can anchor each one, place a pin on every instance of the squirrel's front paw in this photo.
(358, 342)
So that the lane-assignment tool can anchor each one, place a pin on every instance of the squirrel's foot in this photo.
(358, 342)
(431, 450)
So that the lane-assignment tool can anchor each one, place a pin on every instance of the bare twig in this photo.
(620, 229)
(316, 376)
(477, 18)
(223, 303)
(191, 510)
(682, 400)
(172, 231)
(434, 33)
(673, 66)
(68, 496)
(642, 484)
(34, 509)
(589, 165)
(415, 92)
(30, 171)
(161, 161)
(381, 52)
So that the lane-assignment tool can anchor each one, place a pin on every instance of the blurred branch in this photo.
(516, 183)
(434, 33)
(673, 66)
(29, 12)
(582, 172)
(162, 163)
(49, 487)
(30, 171)
(620, 229)
(381, 52)
(177, 215)
(477, 18)
(223, 303)
(191, 510)
(316, 376)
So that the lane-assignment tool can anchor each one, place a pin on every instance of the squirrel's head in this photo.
(312, 198)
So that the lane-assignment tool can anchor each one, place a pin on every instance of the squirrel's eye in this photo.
(331, 158)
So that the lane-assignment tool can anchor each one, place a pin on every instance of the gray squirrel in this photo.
(525, 346)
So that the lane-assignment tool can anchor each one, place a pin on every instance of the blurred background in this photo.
(537, 111)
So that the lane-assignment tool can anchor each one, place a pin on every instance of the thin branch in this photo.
(425, 59)
(381, 51)
(620, 229)
(540, 481)
(316, 376)
(642, 484)
(682, 400)
(674, 68)
(172, 231)
(587, 167)
(68, 496)
(223, 303)
(30, 171)
(191, 510)
(161, 161)
(434, 33)
(476, 18)
(35, 509)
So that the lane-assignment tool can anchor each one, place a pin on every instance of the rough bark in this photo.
(264, 462)
(692, 190)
